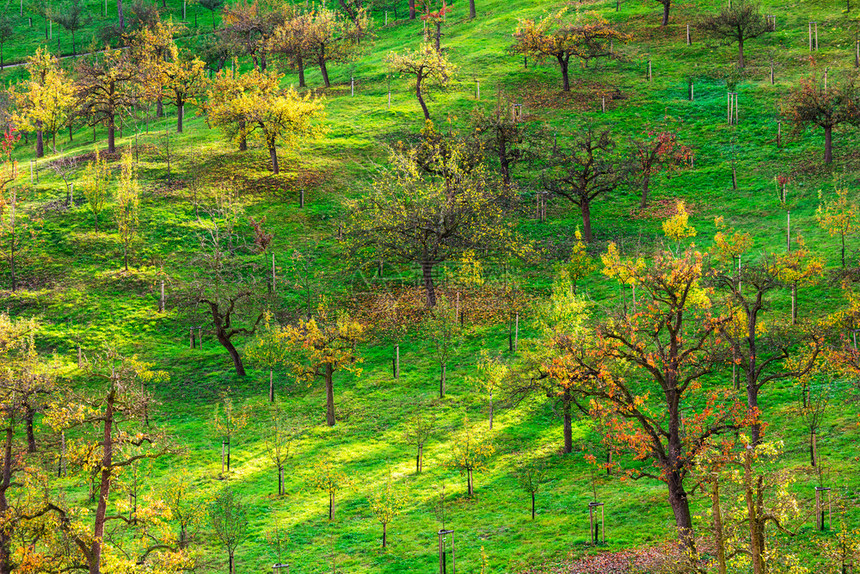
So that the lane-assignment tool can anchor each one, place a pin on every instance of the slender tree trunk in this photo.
(812, 457)
(828, 144)
(568, 424)
(504, 162)
(443, 373)
(741, 53)
(243, 139)
(646, 181)
(472, 11)
(111, 135)
(411, 9)
(666, 5)
(429, 287)
(324, 71)
(533, 505)
(585, 207)
(681, 509)
(31, 436)
(719, 538)
(104, 487)
(180, 114)
(6, 563)
(469, 484)
(331, 505)
(843, 250)
(159, 107)
(384, 534)
(40, 140)
(273, 154)
(231, 564)
(491, 410)
(565, 76)
(119, 12)
(752, 516)
(420, 97)
(329, 394)
(300, 64)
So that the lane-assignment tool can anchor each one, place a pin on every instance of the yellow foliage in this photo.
(677, 227)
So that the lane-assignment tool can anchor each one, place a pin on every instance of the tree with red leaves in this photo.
(825, 107)
(655, 151)
(434, 19)
(644, 373)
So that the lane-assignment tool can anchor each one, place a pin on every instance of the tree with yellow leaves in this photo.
(320, 347)
(678, 226)
(329, 479)
(185, 80)
(127, 210)
(227, 421)
(386, 503)
(96, 180)
(46, 102)
(839, 216)
(470, 453)
(492, 374)
(580, 264)
(111, 429)
(255, 104)
(427, 65)
(764, 352)
(587, 37)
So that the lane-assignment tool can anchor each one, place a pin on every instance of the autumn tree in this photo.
(335, 38)
(441, 327)
(510, 140)
(46, 101)
(106, 90)
(492, 375)
(291, 39)
(225, 280)
(322, 346)
(280, 436)
(739, 22)
(110, 421)
(655, 151)
(419, 430)
(530, 474)
(838, 216)
(73, 17)
(811, 103)
(211, 5)
(386, 503)
(227, 421)
(429, 216)
(329, 479)
(587, 37)
(96, 181)
(228, 517)
(583, 172)
(470, 453)
(184, 81)
(127, 210)
(186, 509)
(428, 66)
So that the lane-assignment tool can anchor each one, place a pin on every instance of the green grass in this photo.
(73, 284)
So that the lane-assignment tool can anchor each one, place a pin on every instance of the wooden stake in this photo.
(778, 133)
(301, 198)
(161, 299)
(516, 332)
(603, 103)
(689, 39)
(273, 271)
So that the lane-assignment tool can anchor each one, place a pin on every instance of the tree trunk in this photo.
(300, 64)
(812, 456)
(329, 395)
(159, 107)
(111, 136)
(504, 162)
(231, 566)
(752, 516)
(442, 376)
(119, 12)
(719, 538)
(40, 140)
(271, 386)
(533, 505)
(469, 485)
(280, 481)
(429, 287)
(741, 53)
(273, 154)
(331, 506)
(243, 139)
(828, 144)
(104, 486)
(666, 5)
(384, 534)
(491, 410)
(234, 353)
(646, 181)
(681, 510)
(472, 11)
(419, 463)
(6, 563)
(568, 427)
(585, 207)
(31, 436)
(180, 114)
(411, 9)
(420, 97)
(324, 71)
(565, 76)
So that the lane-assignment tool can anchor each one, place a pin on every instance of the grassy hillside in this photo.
(73, 282)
